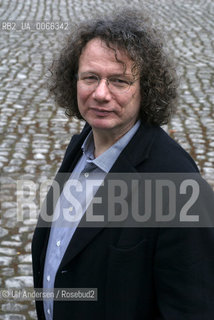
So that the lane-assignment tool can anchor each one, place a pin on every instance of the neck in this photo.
(104, 139)
(102, 143)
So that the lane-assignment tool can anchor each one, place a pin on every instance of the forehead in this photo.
(96, 53)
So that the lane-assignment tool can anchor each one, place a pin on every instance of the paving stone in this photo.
(25, 269)
(35, 133)
(13, 307)
(11, 243)
(19, 282)
(8, 251)
(5, 261)
(12, 317)
(8, 272)
(32, 315)
(28, 247)
(10, 213)
(25, 258)
(3, 232)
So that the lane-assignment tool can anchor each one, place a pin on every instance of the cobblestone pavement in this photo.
(35, 133)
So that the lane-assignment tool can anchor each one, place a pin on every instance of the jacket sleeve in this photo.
(184, 273)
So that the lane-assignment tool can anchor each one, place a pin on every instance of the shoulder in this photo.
(166, 155)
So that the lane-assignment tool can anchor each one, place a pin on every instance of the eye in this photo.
(89, 78)
(118, 82)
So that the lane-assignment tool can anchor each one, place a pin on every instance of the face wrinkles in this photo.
(101, 108)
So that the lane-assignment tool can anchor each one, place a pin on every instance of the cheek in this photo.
(137, 99)
(81, 96)
(129, 101)
(131, 105)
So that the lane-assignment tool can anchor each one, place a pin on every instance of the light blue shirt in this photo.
(74, 201)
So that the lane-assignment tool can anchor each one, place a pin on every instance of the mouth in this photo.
(101, 112)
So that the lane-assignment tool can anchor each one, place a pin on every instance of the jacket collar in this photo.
(137, 150)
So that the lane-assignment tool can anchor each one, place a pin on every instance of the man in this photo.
(115, 75)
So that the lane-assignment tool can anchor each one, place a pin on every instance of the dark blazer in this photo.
(139, 273)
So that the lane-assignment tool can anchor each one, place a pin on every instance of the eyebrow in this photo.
(111, 75)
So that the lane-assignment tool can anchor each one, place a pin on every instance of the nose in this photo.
(102, 93)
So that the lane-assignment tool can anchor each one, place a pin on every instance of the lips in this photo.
(101, 112)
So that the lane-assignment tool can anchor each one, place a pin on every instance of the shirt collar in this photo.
(106, 160)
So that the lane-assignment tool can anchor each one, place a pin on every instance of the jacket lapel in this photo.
(133, 154)
(72, 155)
(84, 234)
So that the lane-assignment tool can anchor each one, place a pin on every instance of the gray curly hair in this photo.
(133, 33)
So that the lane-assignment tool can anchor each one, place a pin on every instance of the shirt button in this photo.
(48, 278)
(71, 209)
(58, 243)
(49, 311)
(86, 174)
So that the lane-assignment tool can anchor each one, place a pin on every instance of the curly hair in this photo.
(133, 33)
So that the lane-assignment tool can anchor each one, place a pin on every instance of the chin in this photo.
(101, 124)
